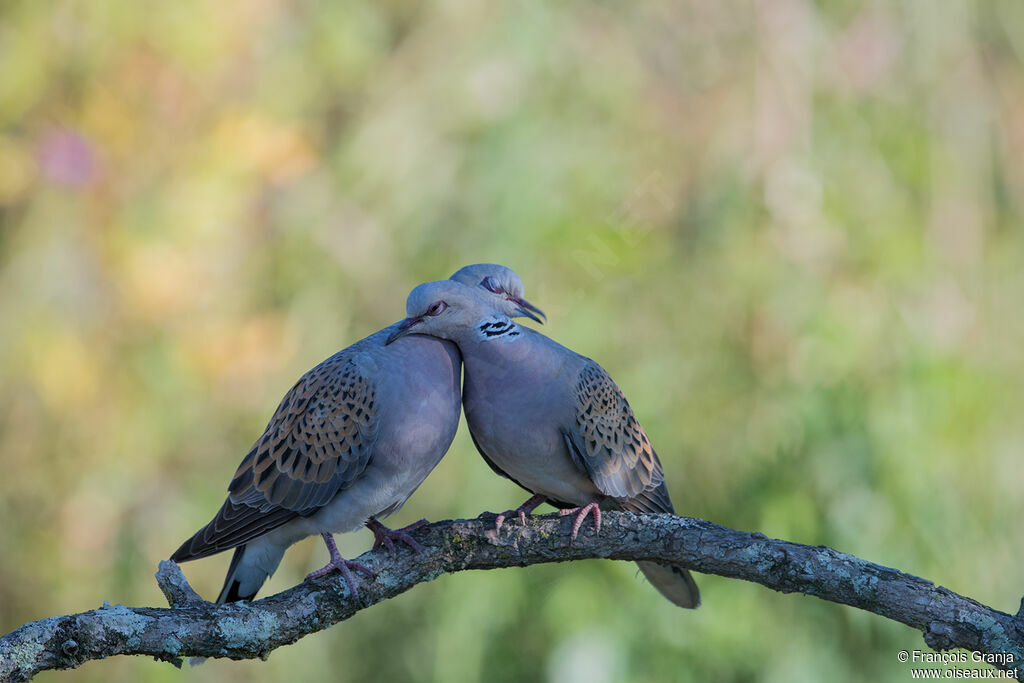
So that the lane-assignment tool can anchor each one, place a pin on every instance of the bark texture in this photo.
(192, 627)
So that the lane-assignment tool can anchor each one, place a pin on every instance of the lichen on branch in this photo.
(192, 627)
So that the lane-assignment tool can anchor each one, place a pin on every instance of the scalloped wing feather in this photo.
(607, 441)
(319, 440)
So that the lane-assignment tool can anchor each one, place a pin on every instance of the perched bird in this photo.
(348, 444)
(547, 418)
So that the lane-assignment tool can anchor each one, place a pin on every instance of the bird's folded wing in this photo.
(607, 441)
(234, 524)
(318, 441)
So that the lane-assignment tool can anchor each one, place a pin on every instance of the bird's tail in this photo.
(251, 565)
(230, 590)
(672, 581)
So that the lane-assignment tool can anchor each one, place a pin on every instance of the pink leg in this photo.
(383, 536)
(581, 514)
(522, 511)
(342, 565)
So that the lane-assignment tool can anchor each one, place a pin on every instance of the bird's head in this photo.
(444, 309)
(503, 286)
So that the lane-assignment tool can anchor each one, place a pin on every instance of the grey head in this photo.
(446, 309)
(502, 285)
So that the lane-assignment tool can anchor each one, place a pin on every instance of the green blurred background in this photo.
(790, 230)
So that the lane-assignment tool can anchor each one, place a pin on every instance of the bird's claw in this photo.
(342, 565)
(499, 521)
(522, 512)
(385, 537)
(581, 514)
(345, 567)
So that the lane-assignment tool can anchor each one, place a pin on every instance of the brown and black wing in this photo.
(607, 442)
(318, 441)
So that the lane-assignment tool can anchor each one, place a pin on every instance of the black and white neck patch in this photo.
(497, 328)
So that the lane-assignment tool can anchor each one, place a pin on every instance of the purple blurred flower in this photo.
(66, 158)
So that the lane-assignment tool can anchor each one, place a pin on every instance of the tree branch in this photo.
(193, 627)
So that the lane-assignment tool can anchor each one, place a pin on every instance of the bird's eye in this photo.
(436, 308)
(491, 285)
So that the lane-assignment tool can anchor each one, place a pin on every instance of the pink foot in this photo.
(342, 565)
(522, 511)
(383, 536)
(581, 514)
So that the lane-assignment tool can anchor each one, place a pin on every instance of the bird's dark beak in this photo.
(404, 328)
(527, 309)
